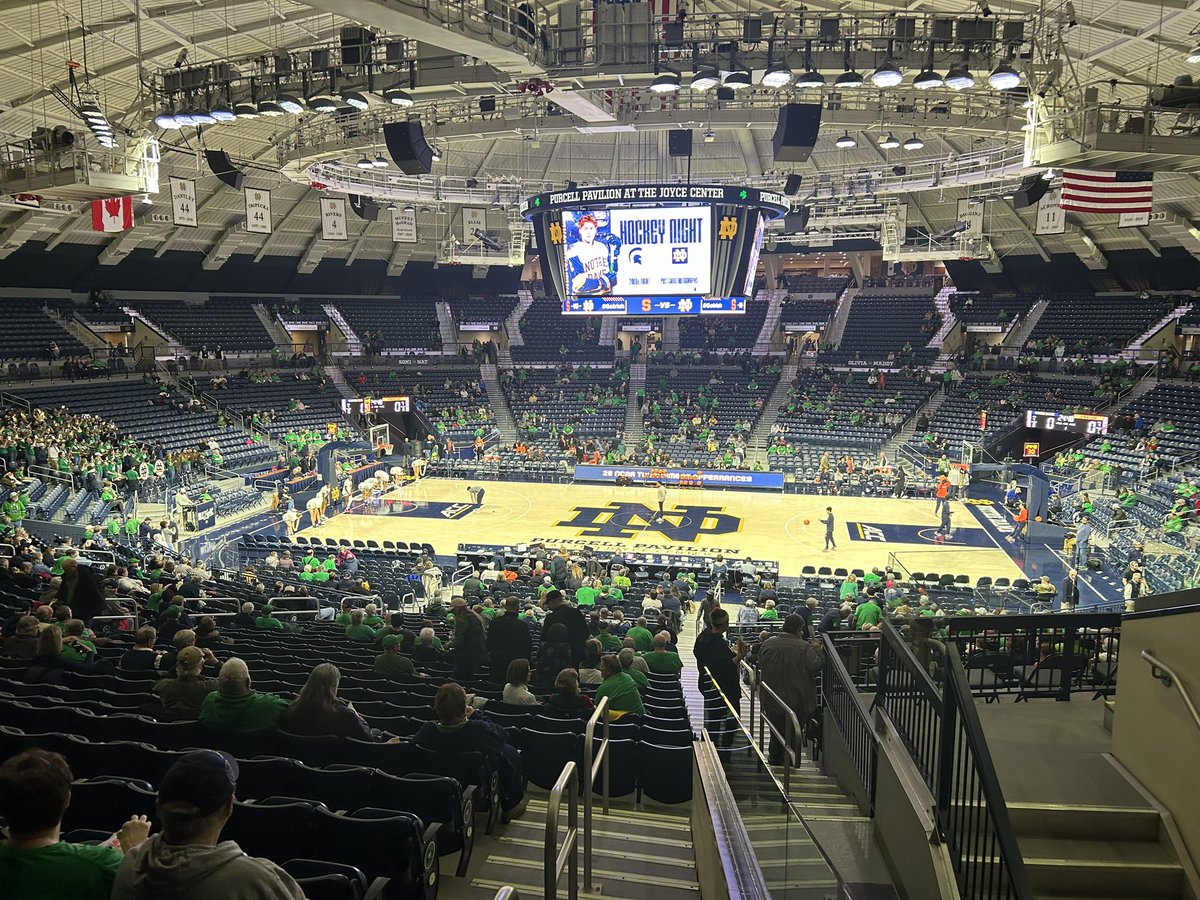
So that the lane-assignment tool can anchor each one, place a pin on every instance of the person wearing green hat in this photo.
(392, 663)
(267, 621)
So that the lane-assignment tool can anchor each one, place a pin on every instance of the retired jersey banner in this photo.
(258, 211)
(473, 219)
(333, 218)
(1051, 217)
(404, 226)
(972, 214)
(183, 202)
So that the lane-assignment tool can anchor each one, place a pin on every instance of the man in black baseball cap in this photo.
(188, 860)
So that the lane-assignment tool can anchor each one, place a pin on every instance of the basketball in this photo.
(1037, 518)
(806, 521)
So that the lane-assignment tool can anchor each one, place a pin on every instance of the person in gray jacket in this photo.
(188, 860)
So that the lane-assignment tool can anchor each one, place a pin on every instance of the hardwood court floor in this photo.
(765, 526)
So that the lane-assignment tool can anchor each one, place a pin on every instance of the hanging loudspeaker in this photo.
(796, 134)
(407, 147)
(679, 142)
(792, 184)
(222, 166)
(1032, 189)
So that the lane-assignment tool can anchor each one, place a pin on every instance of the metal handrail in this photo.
(557, 858)
(507, 893)
(593, 764)
(1165, 674)
(836, 683)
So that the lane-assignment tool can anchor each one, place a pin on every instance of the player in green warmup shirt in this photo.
(35, 789)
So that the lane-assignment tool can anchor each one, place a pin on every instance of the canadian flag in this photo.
(112, 214)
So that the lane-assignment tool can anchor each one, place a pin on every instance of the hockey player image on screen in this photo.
(591, 257)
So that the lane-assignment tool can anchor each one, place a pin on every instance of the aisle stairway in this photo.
(353, 343)
(765, 342)
(634, 426)
(272, 326)
(1019, 335)
(512, 324)
(505, 423)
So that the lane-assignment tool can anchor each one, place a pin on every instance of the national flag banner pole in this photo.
(1107, 193)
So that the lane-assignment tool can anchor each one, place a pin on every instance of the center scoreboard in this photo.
(652, 250)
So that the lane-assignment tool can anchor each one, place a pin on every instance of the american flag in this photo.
(1107, 192)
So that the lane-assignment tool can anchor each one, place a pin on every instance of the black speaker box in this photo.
(679, 142)
(797, 221)
(364, 207)
(406, 145)
(752, 30)
(792, 184)
(796, 134)
(1032, 189)
(222, 166)
(673, 33)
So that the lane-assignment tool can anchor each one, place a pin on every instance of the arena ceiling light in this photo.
(290, 104)
(1194, 56)
(738, 79)
(848, 79)
(355, 99)
(270, 109)
(887, 75)
(397, 96)
(204, 117)
(246, 111)
(889, 142)
(914, 143)
(166, 119)
(706, 78)
(184, 119)
(1004, 77)
(223, 112)
(810, 79)
(380, 161)
(927, 79)
(845, 142)
(778, 74)
(665, 83)
(322, 103)
(959, 78)
(365, 163)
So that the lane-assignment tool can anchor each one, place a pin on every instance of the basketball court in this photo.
(766, 526)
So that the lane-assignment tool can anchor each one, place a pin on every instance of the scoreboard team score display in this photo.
(652, 250)
(1081, 423)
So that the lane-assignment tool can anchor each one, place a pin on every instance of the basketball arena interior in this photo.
(652, 449)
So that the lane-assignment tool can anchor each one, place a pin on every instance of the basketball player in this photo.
(830, 543)
(589, 263)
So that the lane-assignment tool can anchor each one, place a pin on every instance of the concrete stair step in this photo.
(1052, 820)
(1101, 868)
(627, 878)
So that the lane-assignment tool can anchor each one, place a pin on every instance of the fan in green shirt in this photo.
(267, 620)
(868, 613)
(621, 690)
(660, 660)
(357, 631)
(131, 527)
(585, 595)
(643, 639)
(235, 707)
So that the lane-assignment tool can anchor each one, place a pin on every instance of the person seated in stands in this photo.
(22, 644)
(371, 617)
(358, 631)
(566, 701)
(620, 689)
(183, 695)
(748, 614)
(142, 657)
(1173, 523)
(868, 614)
(643, 638)
(185, 638)
(589, 672)
(319, 711)
(343, 616)
(187, 860)
(516, 688)
(235, 707)
(172, 620)
(35, 790)
(395, 626)
(392, 663)
(245, 617)
(628, 660)
(663, 659)
(604, 635)
(1045, 589)
(268, 622)
(52, 655)
(429, 647)
(461, 729)
(770, 614)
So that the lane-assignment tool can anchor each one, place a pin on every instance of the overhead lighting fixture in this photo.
(356, 99)
(887, 75)
(245, 111)
(322, 104)
(290, 104)
(810, 79)
(710, 136)
(1004, 77)
(270, 108)
(707, 77)
(778, 75)
(366, 163)
(203, 117)
(437, 154)
(1194, 56)
(397, 96)
(665, 83)
(848, 80)
(91, 111)
(223, 112)
(166, 119)
(1048, 175)
(380, 161)
(408, 207)
(184, 119)
(845, 142)
(960, 78)
(914, 143)
(889, 142)
(927, 79)
(738, 79)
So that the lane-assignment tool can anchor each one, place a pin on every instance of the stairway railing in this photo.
(1166, 675)
(939, 725)
(557, 858)
(595, 762)
(852, 718)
